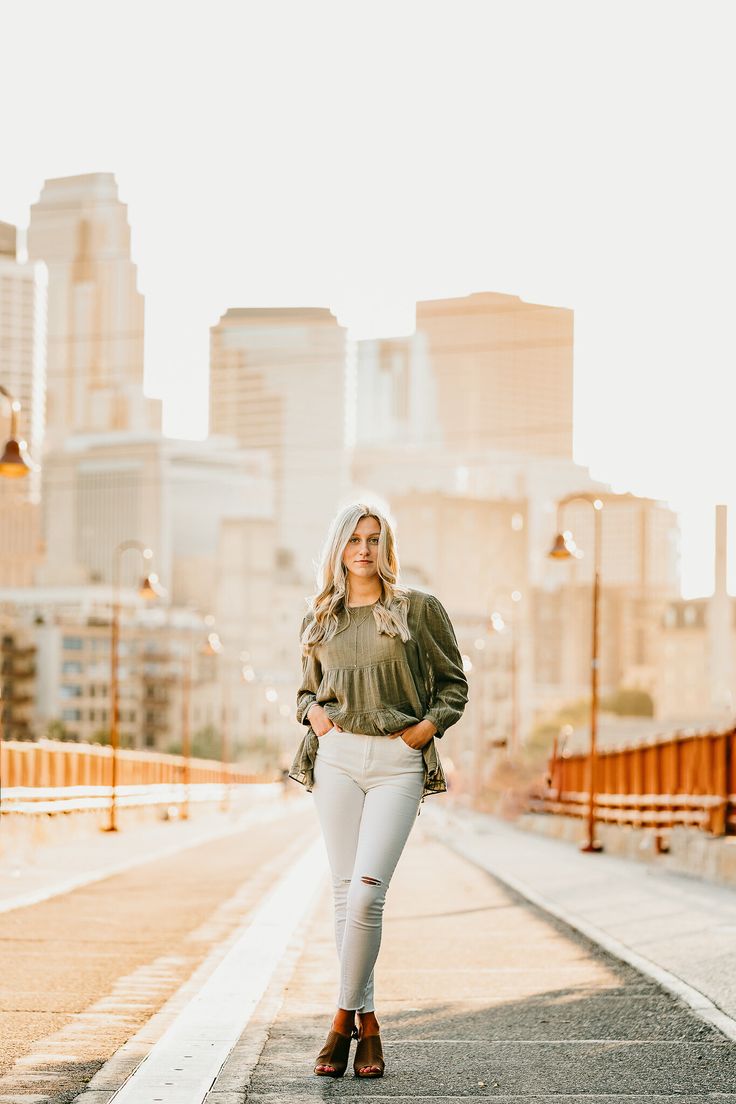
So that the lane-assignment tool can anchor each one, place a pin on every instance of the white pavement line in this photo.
(262, 812)
(184, 1063)
(701, 1005)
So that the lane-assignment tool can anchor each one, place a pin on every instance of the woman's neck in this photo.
(359, 597)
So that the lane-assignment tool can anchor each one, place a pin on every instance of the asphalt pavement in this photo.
(480, 992)
(678, 928)
(83, 971)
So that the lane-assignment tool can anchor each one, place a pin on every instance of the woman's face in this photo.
(360, 555)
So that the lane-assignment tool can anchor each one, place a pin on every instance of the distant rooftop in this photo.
(480, 302)
(101, 185)
(279, 314)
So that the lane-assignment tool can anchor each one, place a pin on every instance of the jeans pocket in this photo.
(408, 748)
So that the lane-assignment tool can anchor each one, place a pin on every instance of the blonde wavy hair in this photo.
(391, 610)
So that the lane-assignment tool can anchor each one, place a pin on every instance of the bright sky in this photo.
(361, 155)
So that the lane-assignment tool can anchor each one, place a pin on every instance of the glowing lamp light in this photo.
(151, 588)
(15, 461)
(564, 547)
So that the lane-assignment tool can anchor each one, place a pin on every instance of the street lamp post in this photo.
(149, 589)
(186, 735)
(498, 625)
(478, 731)
(211, 647)
(215, 647)
(14, 464)
(225, 744)
(564, 548)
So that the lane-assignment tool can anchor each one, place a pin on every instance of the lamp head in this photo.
(151, 588)
(564, 547)
(497, 622)
(15, 461)
(214, 645)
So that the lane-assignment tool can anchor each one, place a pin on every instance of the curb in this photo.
(702, 1006)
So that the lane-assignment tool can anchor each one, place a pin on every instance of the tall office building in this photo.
(277, 382)
(478, 403)
(22, 374)
(396, 392)
(502, 373)
(696, 677)
(102, 490)
(80, 229)
(8, 235)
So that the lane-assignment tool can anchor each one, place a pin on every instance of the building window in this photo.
(70, 691)
(72, 643)
(71, 714)
(71, 667)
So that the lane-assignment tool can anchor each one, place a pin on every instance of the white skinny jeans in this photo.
(367, 791)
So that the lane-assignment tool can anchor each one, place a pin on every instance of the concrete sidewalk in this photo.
(69, 855)
(675, 926)
(481, 995)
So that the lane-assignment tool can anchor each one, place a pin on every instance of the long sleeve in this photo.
(311, 678)
(440, 656)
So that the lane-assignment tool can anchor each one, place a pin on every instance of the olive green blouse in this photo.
(373, 683)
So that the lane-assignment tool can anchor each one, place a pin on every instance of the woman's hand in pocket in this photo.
(416, 736)
(320, 722)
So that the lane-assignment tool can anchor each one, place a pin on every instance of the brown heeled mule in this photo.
(369, 1052)
(335, 1053)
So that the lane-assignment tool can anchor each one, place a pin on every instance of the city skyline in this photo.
(401, 191)
(276, 276)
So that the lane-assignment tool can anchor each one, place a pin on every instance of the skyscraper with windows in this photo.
(79, 227)
(502, 371)
(278, 382)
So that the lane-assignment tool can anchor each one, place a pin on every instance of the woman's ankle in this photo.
(344, 1021)
(367, 1022)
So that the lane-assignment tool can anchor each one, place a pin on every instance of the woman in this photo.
(382, 677)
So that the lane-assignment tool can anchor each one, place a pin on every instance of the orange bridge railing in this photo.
(50, 776)
(685, 779)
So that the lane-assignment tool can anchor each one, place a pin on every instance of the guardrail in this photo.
(688, 778)
(51, 776)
